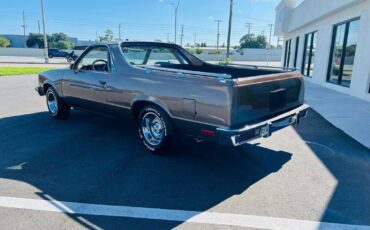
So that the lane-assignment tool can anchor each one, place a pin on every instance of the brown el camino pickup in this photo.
(169, 92)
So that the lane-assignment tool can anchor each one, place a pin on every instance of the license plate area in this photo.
(261, 131)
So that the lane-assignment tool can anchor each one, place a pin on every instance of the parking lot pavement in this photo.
(303, 177)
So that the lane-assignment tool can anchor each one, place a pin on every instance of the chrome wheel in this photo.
(52, 102)
(152, 128)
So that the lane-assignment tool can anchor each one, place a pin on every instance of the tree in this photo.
(57, 37)
(56, 40)
(251, 41)
(36, 39)
(62, 45)
(261, 42)
(108, 36)
(4, 42)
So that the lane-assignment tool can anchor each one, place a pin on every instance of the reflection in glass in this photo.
(309, 58)
(350, 53)
(337, 53)
(343, 52)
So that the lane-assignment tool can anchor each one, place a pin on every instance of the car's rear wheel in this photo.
(58, 109)
(155, 129)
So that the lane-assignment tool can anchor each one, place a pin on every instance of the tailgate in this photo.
(261, 97)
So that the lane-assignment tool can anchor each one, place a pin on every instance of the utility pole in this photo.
(38, 23)
(248, 24)
(218, 32)
(269, 47)
(24, 30)
(195, 39)
(278, 42)
(44, 29)
(182, 34)
(176, 8)
(229, 31)
(119, 32)
(168, 37)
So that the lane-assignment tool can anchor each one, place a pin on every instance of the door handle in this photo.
(103, 82)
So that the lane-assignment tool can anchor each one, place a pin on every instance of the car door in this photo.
(84, 86)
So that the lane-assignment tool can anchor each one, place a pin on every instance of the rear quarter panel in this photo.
(175, 94)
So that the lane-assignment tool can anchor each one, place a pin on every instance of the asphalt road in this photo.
(312, 172)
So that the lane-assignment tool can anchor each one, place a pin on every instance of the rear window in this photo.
(153, 56)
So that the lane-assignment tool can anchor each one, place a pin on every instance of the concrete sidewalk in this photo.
(348, 113)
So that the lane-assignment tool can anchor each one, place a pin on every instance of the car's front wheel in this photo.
(58, 109)
(155, 129)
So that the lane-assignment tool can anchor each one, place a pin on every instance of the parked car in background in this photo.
(170, 92)
(70, 56)
(52, 52)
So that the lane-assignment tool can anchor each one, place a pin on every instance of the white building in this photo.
(329, 41)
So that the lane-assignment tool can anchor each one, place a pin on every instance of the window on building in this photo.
(288, 45)
(296, 52)
(309, 51)
(343, 50)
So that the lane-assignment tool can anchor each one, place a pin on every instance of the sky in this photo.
(141, 19)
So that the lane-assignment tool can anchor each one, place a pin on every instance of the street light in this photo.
(175, 8)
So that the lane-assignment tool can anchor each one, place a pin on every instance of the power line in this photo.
(248, 24)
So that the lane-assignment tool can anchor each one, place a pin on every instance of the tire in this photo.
(69, 59)
(155, 129)
(50, 56)
(58, 109)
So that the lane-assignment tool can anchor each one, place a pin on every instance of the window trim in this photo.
(288, 46)
(343, 54)
(151, 47)
(296, 51)
(314, 34)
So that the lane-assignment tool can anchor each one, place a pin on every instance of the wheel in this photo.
(155, 129)
(50, 56)
(57, 107)
(69, 59)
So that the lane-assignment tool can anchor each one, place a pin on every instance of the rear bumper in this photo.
(263, 129)
(40, 90)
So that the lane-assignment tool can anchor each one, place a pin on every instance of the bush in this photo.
(217, 52)
(4, 42)
(198, 51)
(65, 45)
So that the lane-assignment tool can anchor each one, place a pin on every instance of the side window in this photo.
(95, 60)
(163, 56)
(135, 55)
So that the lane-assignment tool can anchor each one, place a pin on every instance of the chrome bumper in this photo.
(263, 129)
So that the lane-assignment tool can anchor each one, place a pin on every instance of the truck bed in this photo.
(237, 71)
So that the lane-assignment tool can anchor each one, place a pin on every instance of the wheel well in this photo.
(138, 106)
(46, 87)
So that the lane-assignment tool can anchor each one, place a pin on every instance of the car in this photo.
(52, 52)
(172, 93)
